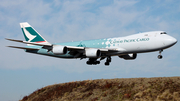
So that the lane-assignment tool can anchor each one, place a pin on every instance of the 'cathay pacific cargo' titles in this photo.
(96, 50)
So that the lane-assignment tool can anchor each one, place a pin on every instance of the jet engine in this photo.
(129, 56)
(93, 53)
(59, 50)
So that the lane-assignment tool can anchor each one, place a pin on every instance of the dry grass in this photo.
(132, 89)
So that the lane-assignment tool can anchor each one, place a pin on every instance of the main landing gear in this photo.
(108, 60)
(160, 56)
(93, 61)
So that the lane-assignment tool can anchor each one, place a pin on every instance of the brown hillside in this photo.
(132, 89)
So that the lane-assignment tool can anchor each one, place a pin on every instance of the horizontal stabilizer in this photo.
(32, 43)
(23, 48)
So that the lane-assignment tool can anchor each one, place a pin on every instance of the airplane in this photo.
(96, 50)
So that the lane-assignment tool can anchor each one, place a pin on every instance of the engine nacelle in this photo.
(93, 53)
(129, 56)
(59, 50)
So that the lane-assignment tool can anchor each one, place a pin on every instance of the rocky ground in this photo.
(131, 89)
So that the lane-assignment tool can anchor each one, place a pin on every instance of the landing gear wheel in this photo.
(108, 60)
(97, 62)
(89, 63)
(160, 56)
(106, 63)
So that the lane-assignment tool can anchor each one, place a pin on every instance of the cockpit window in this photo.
(163, 33)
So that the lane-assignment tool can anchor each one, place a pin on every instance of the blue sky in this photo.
(72, 20)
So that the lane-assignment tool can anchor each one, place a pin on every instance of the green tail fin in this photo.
(30, 34)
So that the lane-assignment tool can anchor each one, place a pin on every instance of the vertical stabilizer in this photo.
(30, 34)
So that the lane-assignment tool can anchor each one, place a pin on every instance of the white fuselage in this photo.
(142, 42)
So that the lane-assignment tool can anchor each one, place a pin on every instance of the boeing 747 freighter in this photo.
(96, 50)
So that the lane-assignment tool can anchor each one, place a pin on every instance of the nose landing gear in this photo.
(160, 56)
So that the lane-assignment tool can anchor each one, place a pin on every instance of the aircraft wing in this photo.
(101, 49)
(70, 48)
(83, 48)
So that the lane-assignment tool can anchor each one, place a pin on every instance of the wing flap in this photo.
(75, 48)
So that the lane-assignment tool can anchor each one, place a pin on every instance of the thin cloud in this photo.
(66, 20)
(73, 19)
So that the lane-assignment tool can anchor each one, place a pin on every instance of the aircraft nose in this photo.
(171, 41)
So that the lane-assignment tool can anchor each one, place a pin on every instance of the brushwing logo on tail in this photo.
(28, 35)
